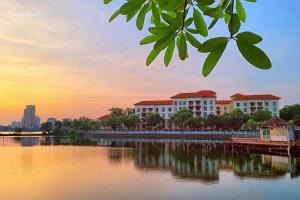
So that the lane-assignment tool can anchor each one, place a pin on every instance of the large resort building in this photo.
(205, 102)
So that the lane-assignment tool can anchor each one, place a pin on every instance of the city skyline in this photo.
(80, 65)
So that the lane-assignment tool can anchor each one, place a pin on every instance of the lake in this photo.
(33, 168)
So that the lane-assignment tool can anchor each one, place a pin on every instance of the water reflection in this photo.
(187, 161)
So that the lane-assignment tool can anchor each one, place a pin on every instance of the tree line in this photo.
(126, 119)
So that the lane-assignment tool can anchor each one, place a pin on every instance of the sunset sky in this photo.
(64, 57)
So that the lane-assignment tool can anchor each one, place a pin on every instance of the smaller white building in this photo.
(163, 107)
(252, 103)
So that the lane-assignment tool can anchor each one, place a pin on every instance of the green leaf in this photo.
(116, 14)
(155, 12)
(161, 30)
(149, 39)
(129, 7)
(240, 11)
(249, 37)
(227, 18)
(194, 31)
(234, 24)
(213, 23)
(167, 18)
(164, 41)
(254, 55)
(152, 55)
(169, 5)
(205, 2)
(107, 1)
(251, 0)
(182, 47)
(169, 53)
(212, 59)
(188, 22)
(200, 23)
(141, 17)
(214, 12)
(193, 41)
(212, 44)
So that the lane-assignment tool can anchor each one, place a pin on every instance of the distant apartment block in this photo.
(51, 120)
(16, 124)
(30, 120)
(205, 102)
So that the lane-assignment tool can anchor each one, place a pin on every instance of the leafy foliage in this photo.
(288, 112)
(153, 119)
(180, 117)
(175, 23)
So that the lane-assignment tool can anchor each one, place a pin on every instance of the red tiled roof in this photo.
(158, 102)
(275, 122)
(239, 96)
(223, 101)
(201, 93)
(103, 117)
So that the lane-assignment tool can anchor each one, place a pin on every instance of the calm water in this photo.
(67, 169)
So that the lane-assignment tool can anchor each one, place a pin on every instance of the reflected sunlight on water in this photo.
(51, 168)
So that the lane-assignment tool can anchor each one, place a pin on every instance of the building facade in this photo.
(223, 107)
(251, 103)
(163, 107)
(201, 103)
(204, 103)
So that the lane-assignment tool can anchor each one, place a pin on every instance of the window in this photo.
(211, 108)
(170, 109)
(184, 103)
(205, 102)
(245, 104)
(274, 103)
(266, 103)
(237, 104)
(163, 109)
(175, 103)
(274, 109)
(245, 110)
(225, 108)
(157, 109)
(138, 110)
(259, 104)
(211, 102)
(205, 114)
(205, 108)
(163, 115)
(180, 103)
(198, 102)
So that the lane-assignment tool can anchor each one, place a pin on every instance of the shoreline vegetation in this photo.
(126, 120)
(183, 120)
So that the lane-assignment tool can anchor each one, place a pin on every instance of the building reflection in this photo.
(203, 162)
(194, 161)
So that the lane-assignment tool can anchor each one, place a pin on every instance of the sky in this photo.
(67, 59)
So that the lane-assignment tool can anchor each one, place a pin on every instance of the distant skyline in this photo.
(64, 57)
